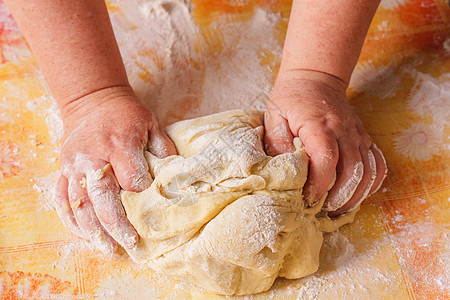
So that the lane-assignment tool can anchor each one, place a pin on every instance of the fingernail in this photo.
(131, 240)
(126, 236)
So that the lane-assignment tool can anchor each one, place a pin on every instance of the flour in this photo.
(46, 187)
(45, 106)
(182, 71)
(430, 98)
(413, 242)
(245, 224)
(176, 70)
(346, 272)
(338, 250)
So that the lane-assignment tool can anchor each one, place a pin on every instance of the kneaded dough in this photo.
(224, 215)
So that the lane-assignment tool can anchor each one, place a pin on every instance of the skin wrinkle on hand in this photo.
(98, 237)
(103, 244)
(338, 198)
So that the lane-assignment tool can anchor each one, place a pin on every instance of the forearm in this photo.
(327, 36)
(74, 45)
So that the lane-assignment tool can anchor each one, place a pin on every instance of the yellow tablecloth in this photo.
(397, 248)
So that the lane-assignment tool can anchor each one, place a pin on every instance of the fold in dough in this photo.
(224, 215)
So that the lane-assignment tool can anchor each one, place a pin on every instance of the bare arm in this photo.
(74, 45)
(327, 36)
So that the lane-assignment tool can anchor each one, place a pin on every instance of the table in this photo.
(225, 54)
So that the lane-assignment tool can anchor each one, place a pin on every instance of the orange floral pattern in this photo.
(9, 160)
(19, 285)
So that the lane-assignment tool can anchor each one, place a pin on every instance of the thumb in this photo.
(131, 170)
(159, 144)
(278, 137)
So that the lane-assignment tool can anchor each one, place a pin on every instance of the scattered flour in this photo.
(346, 272)
(182, 71)
(46, 186)
(46, 107)
(430, 97)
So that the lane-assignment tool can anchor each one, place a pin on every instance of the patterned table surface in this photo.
(398, 247)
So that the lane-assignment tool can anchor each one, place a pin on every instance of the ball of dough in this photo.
(224, 215)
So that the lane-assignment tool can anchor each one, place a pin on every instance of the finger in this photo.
(349, 173)
(381, 168)
(363, 189)
(159, 144)
(86, 218)
(322, 150)
(103, 190)
(278, 137)
(131, 170)
(63, 209)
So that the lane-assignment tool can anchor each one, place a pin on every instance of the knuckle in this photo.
(328, 157)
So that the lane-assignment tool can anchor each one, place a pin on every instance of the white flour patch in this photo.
(351, 273)
(46, 187)
(431, 97)
(46, 107)
(180, 72)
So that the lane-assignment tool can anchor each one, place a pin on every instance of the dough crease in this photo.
(222, 214)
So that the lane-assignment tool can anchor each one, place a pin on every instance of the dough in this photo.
(224, 215)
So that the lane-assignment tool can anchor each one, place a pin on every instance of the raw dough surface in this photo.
(224, 215)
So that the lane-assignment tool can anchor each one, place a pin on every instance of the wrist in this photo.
(324, 79)
(77, 108)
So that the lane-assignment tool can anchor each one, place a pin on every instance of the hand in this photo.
(105, 134)
(313, 106)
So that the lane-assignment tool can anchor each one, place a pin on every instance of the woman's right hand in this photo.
(105, 134)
